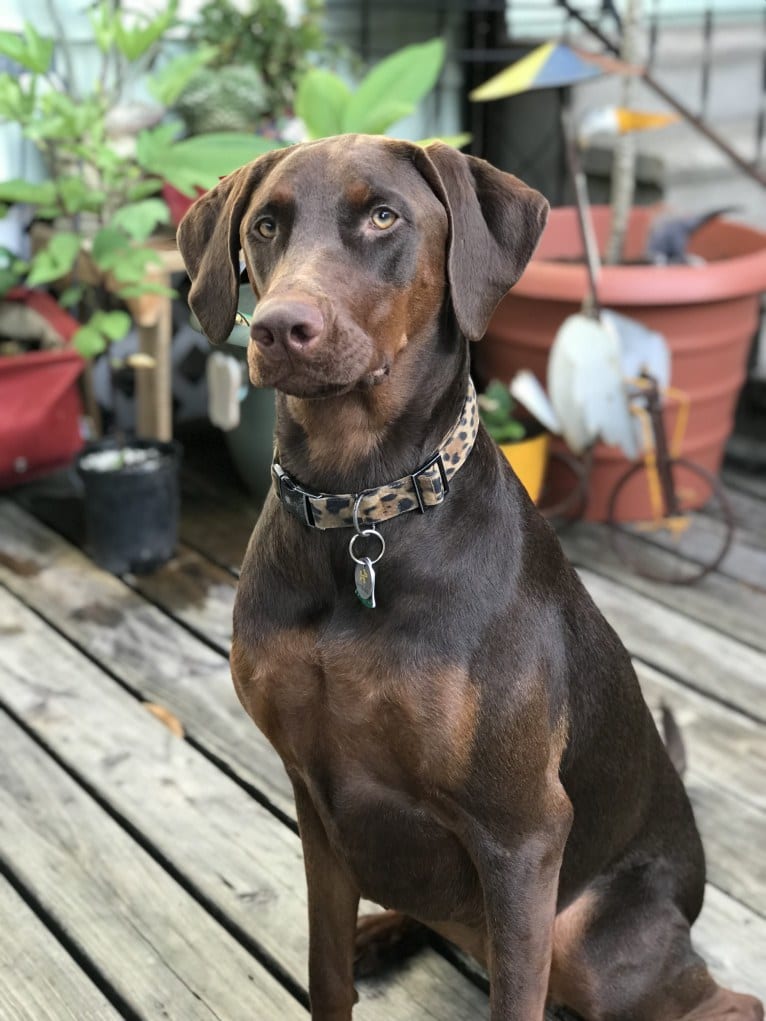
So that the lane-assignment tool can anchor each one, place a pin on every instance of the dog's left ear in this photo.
(495, 224)
(208, 240)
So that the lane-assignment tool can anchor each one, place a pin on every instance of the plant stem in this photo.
(63, 43)
(624, 166)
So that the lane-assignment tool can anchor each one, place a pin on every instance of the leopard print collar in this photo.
(426, 487)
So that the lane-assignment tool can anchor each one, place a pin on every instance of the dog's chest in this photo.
(375, 744)
(408, 724)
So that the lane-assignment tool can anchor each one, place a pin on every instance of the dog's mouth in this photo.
(344, 359)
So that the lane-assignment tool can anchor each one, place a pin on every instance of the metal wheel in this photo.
(677, 548)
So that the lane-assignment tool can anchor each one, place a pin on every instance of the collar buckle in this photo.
(295, 499)
(439, 463)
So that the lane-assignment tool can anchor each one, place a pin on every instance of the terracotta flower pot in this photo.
(529, 458)
(708, 314)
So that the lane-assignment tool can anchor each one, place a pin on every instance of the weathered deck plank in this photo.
(39, 981)
(124, 633)
(235, 853)
(161, 952)
(194, 591)
(705, 659)
(718, 601)
(724, 747)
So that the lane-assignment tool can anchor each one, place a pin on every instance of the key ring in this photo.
(367, 533)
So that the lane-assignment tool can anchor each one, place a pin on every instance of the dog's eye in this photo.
(383, 217)
(267, 228)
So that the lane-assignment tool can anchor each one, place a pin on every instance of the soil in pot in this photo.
(131, 503)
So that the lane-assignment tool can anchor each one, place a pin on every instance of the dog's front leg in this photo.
(519, 878)
(333, 902)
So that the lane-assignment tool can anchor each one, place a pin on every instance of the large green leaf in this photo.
(321, 101)
(201, 161)
(380, 118)
(43, 193)
(55, 260)
(139, 219)
(406, 76)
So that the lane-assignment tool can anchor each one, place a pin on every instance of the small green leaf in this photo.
(15, 103)
(55, 260)
(71, 295)
(39, 50)
(79, 197)
(12, 270)
(139, 219)
(113, 325)
(509, 433)
(131, 265)
(30, 50)
(108, 243)
(320, 102)
(167, 84)
(89, 342)
(135, 41)
(145, 287)
(456, 141)
(102, 25)
(144, 189)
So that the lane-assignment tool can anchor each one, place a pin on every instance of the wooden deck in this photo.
(147, 835)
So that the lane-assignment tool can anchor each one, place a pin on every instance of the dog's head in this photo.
(350, 244)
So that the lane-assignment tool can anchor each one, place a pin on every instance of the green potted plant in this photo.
(523, 442)
(94, 219)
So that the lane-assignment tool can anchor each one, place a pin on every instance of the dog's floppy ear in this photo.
(495, 224)
(208, 240)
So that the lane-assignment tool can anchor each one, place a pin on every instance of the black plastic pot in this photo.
(131, 512)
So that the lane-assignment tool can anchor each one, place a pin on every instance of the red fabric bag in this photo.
(40, 405)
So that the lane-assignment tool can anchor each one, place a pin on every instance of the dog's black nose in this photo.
(287, 324)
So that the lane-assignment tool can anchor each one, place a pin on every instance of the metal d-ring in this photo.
(367, 533)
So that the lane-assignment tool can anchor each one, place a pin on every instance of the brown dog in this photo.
(474, 751)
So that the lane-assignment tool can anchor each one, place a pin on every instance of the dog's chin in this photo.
(309, 387)
(313, 391)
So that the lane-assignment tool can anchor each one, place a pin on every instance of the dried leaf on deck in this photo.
(165, 716)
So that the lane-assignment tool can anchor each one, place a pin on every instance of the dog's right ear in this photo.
(208, 240)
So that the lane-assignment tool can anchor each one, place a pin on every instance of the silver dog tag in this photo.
(364, 577)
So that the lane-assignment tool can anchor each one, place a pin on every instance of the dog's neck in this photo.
(369, 436)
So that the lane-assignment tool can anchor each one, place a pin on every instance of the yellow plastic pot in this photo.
(529, 458)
